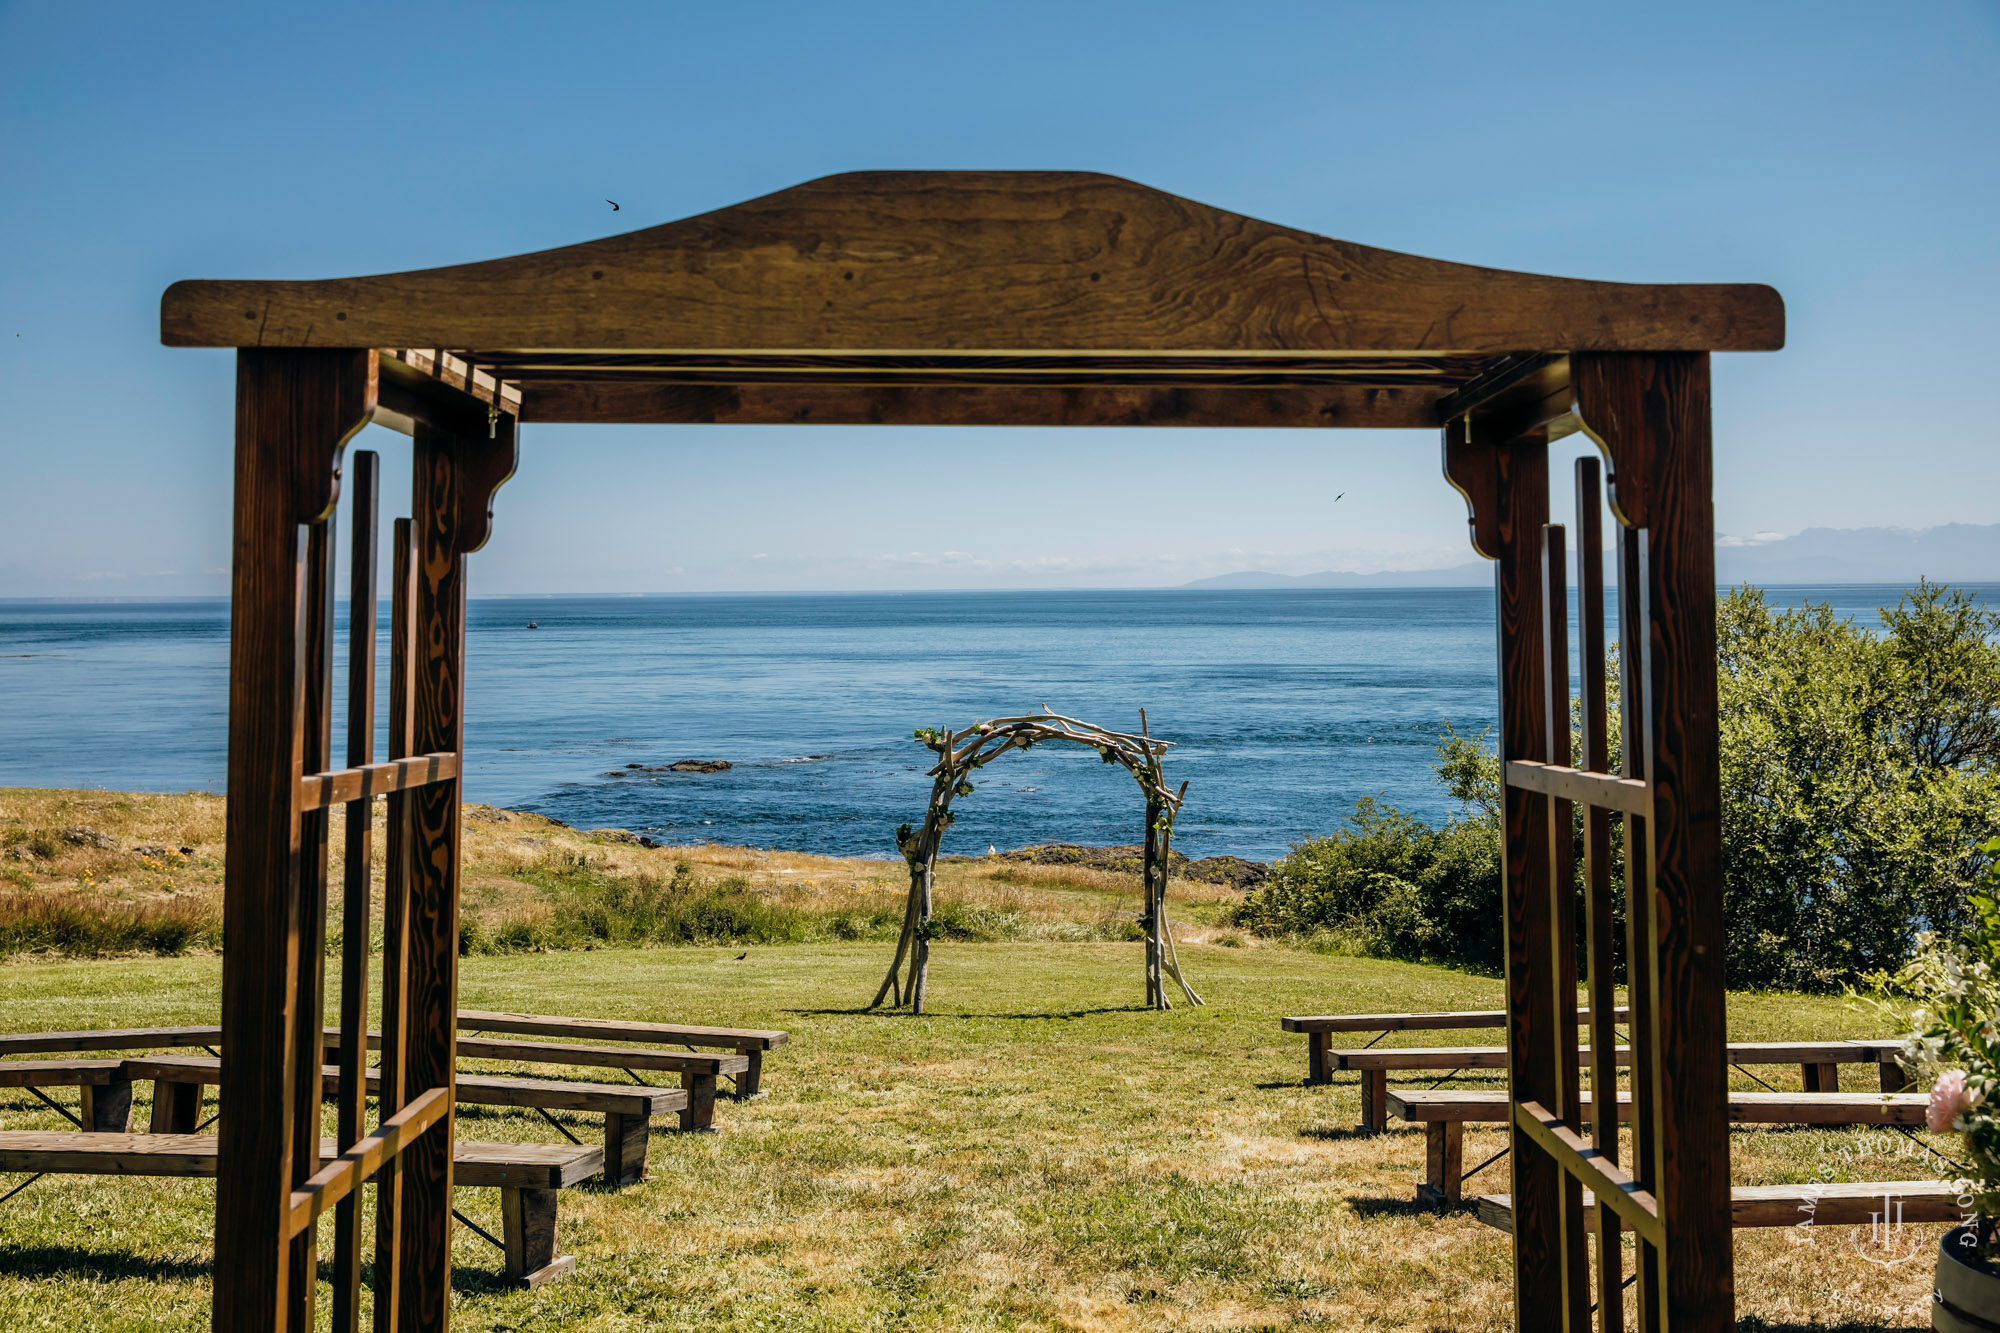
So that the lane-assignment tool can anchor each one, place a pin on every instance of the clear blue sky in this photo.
(1844, 153)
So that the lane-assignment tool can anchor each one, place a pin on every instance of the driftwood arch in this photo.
(970, 299)
(963, 753)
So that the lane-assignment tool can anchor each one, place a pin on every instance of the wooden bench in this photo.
(698, 1072)
(751, 1043)
(1855, 1203)
(627, 1111)
(107, 1039)
(1445, 1114)
(105, 1087)
(1819, 1065)
(1321, 1029)
(528, 1175)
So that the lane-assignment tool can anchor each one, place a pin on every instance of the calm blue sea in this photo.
(1285, 706)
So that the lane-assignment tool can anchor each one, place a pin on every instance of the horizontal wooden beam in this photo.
(1306, 408)
(940, 260)
(1626, 795)
(319, 790)
(353, 1168)
(1603, 1178)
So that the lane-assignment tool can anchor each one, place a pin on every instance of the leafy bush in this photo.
(1860, 788)
(1860, 778)
(1391, 886)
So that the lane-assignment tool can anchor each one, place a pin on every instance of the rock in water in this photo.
(700, 766)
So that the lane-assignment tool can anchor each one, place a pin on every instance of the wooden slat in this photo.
(1478, 1106)
(1572, 784)
(480, 1165)
(108, 1039)
(357, 1163)
(1433, 1022)
(59, 1073)
(1573, 1153)
(1847, 1203)
(1598, 908)
(430, 995)
(364, 782)
(1495, 1057)
(618, 1029)
(395, 933)
(1200, 405)
(357, 864)
(921, 261)
(315, 829)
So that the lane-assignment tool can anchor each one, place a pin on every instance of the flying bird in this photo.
(1336, 499)
(613, 203)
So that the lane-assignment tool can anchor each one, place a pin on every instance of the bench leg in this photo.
(749, 1083)
(1822, 1077)
(108, 1109)
(700, 1088)
(1444, 1163)
(1894, 1077)
(1319, 1046)
(176, 1107)
(624, 1148)
(1374, 1101)
(528, 1230)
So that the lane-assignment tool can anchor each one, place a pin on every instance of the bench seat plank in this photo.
(59, 1073)
(1850, 1203)
(1777, 1108)
(1495, 1057)
(507, 1165)
(614, 1029)
(476, 1089)
(107, 1039)
(1435, 1022)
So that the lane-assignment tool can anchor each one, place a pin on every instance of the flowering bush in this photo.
(1956, 1043)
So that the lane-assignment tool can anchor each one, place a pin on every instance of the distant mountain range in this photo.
(1953, 553)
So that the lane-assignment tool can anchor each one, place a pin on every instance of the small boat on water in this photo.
(533, 625)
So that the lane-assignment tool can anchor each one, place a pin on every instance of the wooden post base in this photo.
(1319, 1052)
(748, 1083)
(700, 1112)
(624, 1148)
(528, 1229)
(107, 1108)
(176, 1107)
(1374, 1101)
(1444, 1164)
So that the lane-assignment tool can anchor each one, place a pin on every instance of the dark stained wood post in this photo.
(395, 936)
(1505, 479)
(455, 477)
(1650, 412)
(295, 410)
(356, 881)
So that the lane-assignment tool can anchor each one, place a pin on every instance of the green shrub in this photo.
(1390, 886)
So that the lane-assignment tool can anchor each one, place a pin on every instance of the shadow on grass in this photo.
(1375, 1206)
(1052, 1013)
(1356, 1132)
(45, 1261)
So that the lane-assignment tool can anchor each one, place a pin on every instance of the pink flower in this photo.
(1949, 1100)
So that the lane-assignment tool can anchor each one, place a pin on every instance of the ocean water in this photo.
(1284, 706)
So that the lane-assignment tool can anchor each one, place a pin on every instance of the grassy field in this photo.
(1037, 1153)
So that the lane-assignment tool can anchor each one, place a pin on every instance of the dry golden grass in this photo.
(504, 850)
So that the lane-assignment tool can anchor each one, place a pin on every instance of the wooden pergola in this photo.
(968, 298)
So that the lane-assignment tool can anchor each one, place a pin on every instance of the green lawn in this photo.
(1038, 1153)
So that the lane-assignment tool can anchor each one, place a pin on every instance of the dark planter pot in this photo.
(1967, 1298)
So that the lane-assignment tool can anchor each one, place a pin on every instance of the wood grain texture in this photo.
(364, 782)
(1652, 413)
(1845, 1204)
(1002, 405)
(429, 997)
(295, 411)
(364, 505)
(618, 1029)
(315, 750)
(1449, 1020)
(388, 1283)
(972, 260)
(1423, 1105)
(108, 1039)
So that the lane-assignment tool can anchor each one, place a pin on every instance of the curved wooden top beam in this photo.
(944, 262)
